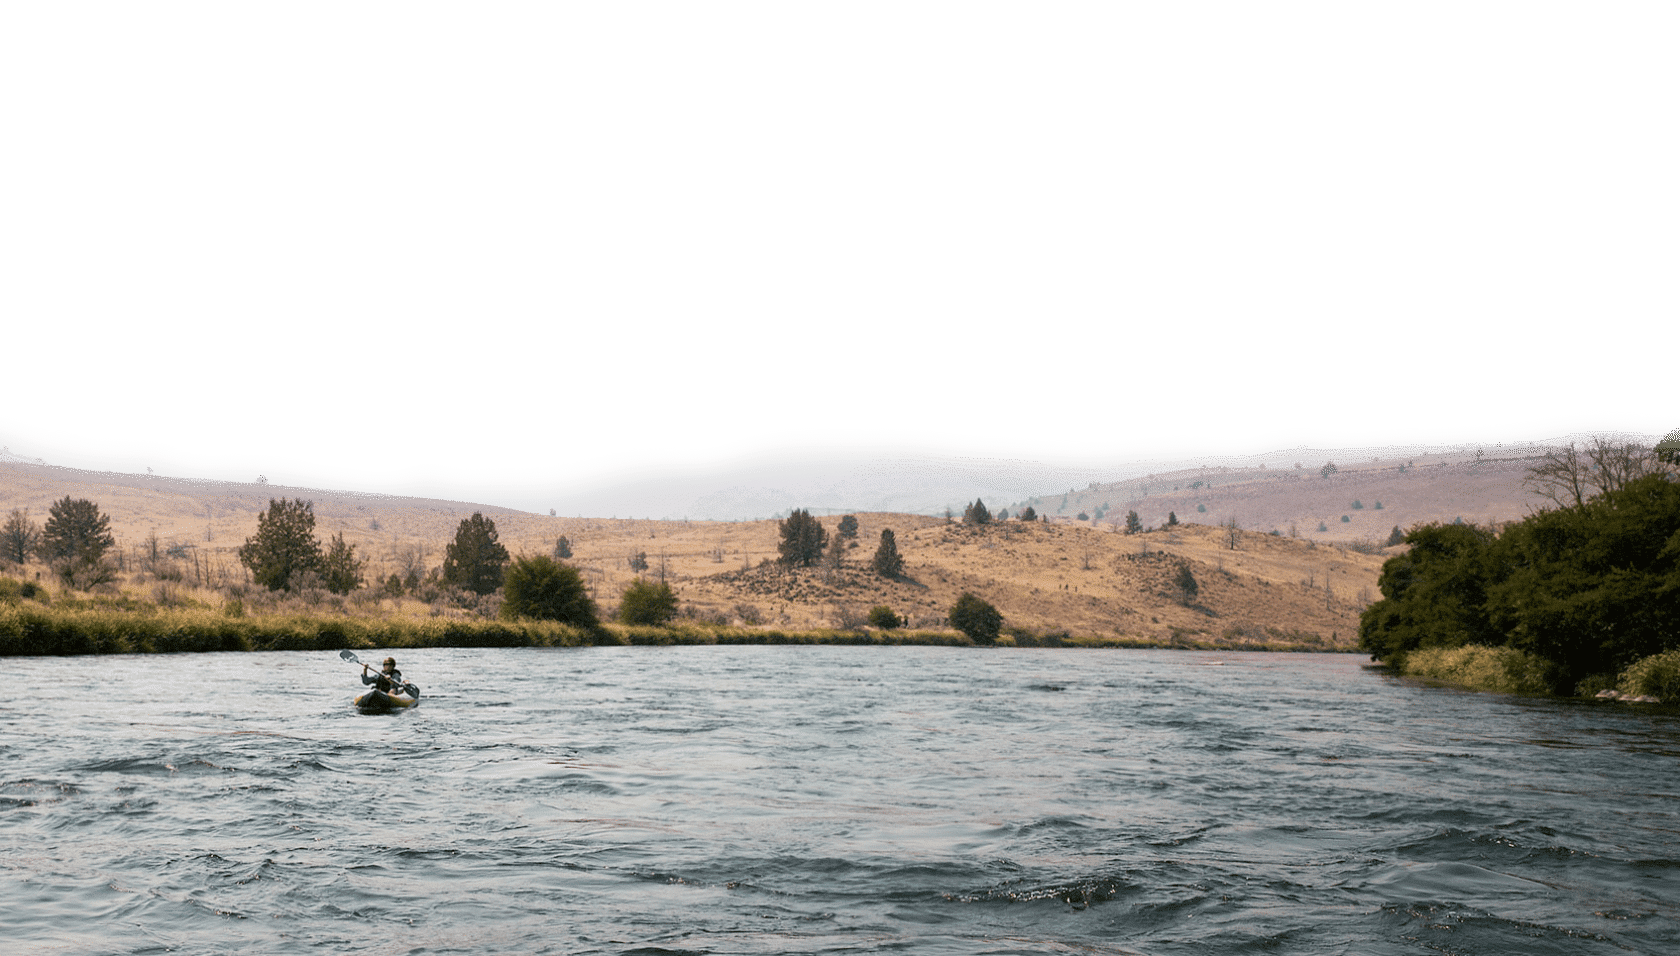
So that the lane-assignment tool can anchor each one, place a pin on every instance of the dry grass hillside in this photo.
(1389, 493)
(1086, 579)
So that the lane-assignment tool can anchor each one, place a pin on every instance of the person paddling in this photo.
(388, 678)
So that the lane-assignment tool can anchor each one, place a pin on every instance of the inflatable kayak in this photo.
(380, 702)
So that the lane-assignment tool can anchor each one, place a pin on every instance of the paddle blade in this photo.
(346, 655)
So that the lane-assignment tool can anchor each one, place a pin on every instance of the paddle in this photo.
(412, 690)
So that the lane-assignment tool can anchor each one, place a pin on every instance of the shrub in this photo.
(341, 572)
(1344, 519)
(1201, 509)
(884, 618)
(76, 531)
(1357, 505)
(645, 602)
(978, 620)
(1656, 676)
(848, 527)
(537, 586)
(1028, 514)
(976, 513)
(1503, 670)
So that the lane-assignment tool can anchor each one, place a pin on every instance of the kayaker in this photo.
(388, 678)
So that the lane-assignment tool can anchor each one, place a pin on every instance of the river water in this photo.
(702, 800)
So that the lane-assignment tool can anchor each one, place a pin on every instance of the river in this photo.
(702, 800)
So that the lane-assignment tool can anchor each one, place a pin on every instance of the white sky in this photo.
(825, 471)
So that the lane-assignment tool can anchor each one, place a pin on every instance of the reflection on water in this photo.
(812, 800)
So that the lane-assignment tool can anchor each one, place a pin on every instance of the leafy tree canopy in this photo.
(341, 572)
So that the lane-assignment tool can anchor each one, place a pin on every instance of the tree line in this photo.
(1590, 584)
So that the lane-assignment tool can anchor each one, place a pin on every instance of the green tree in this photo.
(1028, 514)
(1328, 469)
(1434, 595)
(341, 572)
(284, 545)
(887, 562)
(883, 617)
(848, 527)
(977, 619)
(562, 548)
(1172, 519)
(647, 602)
(1134, 524)
(20, 538)
(475, 559)
(537, 586)
(803, 539)
(977, 514)
(77, 533)
(1185, 584)
(1395, 537)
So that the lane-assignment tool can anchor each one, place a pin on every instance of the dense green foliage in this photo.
(284, 545)
(803, 539)
(647, 602)
(475, 559)
(1589, 588)
(848, 527)
(537, 586)
(884, 617)
(977, 513)
(979, 621)
(1134, 524)
(1028, 514)
(887, 562)
(562, 548)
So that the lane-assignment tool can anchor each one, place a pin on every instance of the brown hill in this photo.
(1084, 578)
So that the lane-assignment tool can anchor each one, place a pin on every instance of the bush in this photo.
(979, 621)
(803, 539)
(884, 618)
(1502, 670)
(1655, 676)
(341, 572)
(537, 586)
(645, 602)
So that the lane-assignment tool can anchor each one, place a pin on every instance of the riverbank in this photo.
(1506, 670)
(35, 623)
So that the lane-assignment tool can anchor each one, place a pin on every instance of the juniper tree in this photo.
(341, 572)
(284, 545)
(645, 602)
(887, 562)
(475, 559)
(803, 539)
(562, 548)
(848, 527)
(77, 533)
(976, 513)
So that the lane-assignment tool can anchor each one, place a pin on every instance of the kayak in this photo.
(379, 702)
